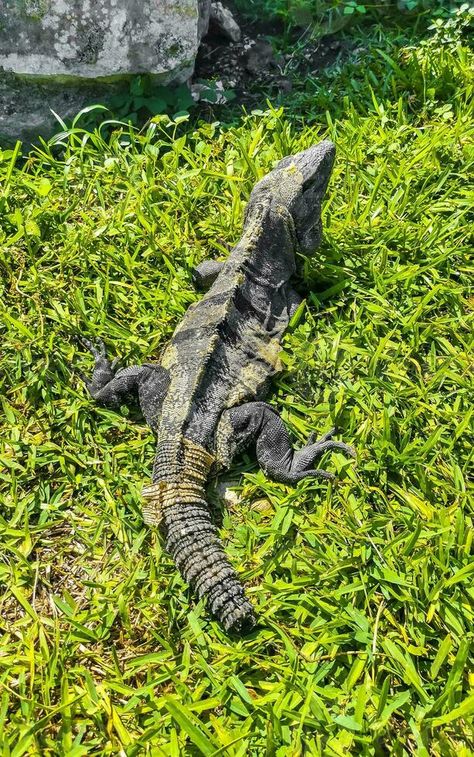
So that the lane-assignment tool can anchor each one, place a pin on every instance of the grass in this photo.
(364, 588)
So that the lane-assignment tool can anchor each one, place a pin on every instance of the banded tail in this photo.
(177, 501)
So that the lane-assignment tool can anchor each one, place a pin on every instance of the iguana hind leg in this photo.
(259, 422)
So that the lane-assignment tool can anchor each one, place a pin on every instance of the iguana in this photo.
(204, 399)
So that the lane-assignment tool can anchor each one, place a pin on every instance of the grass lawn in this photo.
(364, 588)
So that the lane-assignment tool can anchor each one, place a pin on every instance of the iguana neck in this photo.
(268, 225)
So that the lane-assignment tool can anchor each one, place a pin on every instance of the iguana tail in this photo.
(177, 501)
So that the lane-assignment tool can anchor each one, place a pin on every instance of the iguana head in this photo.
(298, 183)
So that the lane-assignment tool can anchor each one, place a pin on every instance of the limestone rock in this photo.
(68, 46)
(223, 22)
(26, 107)
(99, 38)
(204, 17)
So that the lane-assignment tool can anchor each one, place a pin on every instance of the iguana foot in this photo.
(259, 422)
(104, 369)
(138, 387)
(306, 456)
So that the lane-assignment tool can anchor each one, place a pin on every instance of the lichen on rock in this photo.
(80, 43)
(33, 8)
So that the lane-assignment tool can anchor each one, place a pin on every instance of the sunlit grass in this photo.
(363, 588)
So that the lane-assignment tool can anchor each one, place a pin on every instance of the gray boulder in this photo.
(224, 22)
(58, 54)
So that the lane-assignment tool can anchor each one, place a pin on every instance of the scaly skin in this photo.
(203, 400)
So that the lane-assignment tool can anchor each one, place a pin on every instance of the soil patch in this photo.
(257, 68)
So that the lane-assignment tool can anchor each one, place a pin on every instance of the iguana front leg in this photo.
(205, 274)
(137, 385)
(259, 422)
(294, 301)
(108, 387)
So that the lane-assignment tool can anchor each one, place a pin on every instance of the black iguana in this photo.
(204, 399)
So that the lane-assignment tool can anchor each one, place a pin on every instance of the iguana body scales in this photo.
(204, 399)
